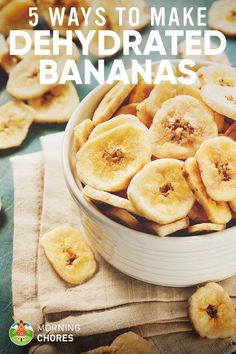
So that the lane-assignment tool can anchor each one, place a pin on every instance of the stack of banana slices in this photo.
(32, 101)
(162, 158)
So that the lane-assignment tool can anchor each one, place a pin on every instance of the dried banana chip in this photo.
(55, 105)
(160, 193)
(82, 132)
(222, 16)
(217, 162)
(140, 92)
(212, 312)
(231, 131)
(220, 122)
(3, 3)
(9, 62)
(108, 198)
(205, 228)
(69, 254)
(125, 218)
(198, 214)
(108, 162)
(115, 122)
(111, 24)
(24, 79)
(67, 4)
(165, 230)
(130, 108)
(164, 91)
(111, 102)
(15, 15)
(127, 343)
(220, 99)
(221, 58)
(180, 127)
(130, 343)
(217, 212)
(217, 74)
(143, 114)
(232, 205)
(15, 120)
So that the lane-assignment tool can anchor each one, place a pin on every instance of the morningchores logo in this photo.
(57, 332)
(112, 30)
(21, 333)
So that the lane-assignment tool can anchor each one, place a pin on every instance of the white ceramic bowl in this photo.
(170, 261)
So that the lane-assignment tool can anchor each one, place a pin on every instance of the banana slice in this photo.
(9, 62)
(222, 16)
(130, 108)
(82, 132)
(24, 80)
(220, 99)
(140, 92)
(232, 205)
(198, 214)
(115, 122)
(69, 254)
(108, 198)
(127, 343)
(180, 127)
(15, 15)
(165, 230)
(143, 115)
(221, 58)
(111, 102)
(231, 132)
(112, 24)
(3, 3)
(124, 217)
(55, 105)
(67, 4)
(212, 312)
(220, 121)
(15, 120)
(164, 91)
(3, 47)
(130, 343)
(217, 74)
(205, 228)
(109, 161)
(217, 162)
(160, 193)
(217, 212)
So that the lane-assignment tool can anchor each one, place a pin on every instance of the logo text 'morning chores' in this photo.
(57, 332)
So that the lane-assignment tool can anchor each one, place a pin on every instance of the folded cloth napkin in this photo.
(108, 301)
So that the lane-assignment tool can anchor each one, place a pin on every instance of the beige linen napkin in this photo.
(107, 302)
(28, 183)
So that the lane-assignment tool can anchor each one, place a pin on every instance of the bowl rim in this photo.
(92, 210)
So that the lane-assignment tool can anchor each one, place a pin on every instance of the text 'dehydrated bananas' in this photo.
(161, 159)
